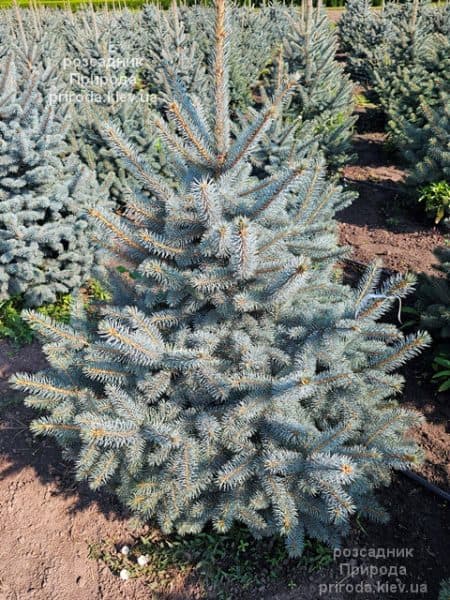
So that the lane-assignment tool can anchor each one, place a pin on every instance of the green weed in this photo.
(17, 331)
(97, 292)
(362, 101)
(441, 366)
(436, 197)
(219, 562)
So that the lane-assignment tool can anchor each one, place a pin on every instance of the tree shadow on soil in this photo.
(20, 449)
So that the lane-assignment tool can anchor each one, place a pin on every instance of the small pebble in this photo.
(142, 560)
(124, 574)
(125, 550)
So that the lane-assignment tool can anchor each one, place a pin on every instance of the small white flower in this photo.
(142, 560)
(125, 550)
(124, 574)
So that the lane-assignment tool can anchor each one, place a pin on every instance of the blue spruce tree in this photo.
(361, 30)
(324, 95)
(173, 49)
(318, 116)
(44, 232)
(180, 41)
(412, 79)
(426, 143)
(103, 72)
(234, 378)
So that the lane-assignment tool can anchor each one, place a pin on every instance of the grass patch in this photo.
(361, 101)
(436, 197)
(17, 331)
(220, 564)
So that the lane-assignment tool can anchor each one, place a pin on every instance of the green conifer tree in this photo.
(362, 31)
(423, 132)
(368, 36)
(324, 95)
(434, 299)
(438, 17)
(412, 79)
(408, 66)
(444, 589)
(234, 378)
(44, 231)
(102, 74)
(427, 147)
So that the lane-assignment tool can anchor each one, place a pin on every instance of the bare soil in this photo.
(382, 222)
(334, 14)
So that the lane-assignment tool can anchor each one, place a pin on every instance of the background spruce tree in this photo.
(367, 35)
(411, 77)
(234, 378)
(410, 66)
(103, 70)
(179, 41)
(405, 53)
(361, 29)
(321, 108)
(426, 147)
(171, 49)
(444, 589)
(424, 137)
(45, 249)
(439, 18)
(36, 36)
(434, 299)
(256, 34)
(180, 44)
(4, 38)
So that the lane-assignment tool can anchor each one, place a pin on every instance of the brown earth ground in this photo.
(48, 521)
(381, 223)
(334, 14)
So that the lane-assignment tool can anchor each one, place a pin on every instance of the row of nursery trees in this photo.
(232, 376)
(65, 75)
(403, 54)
